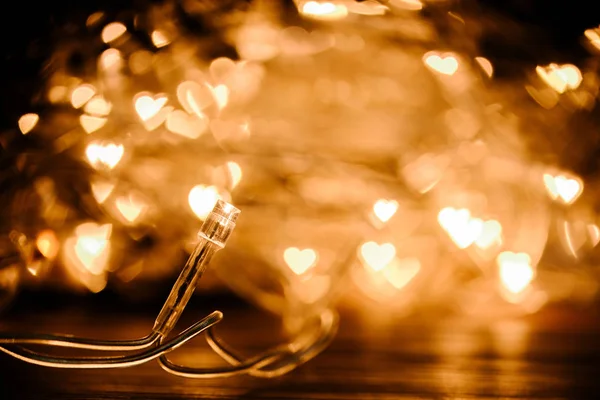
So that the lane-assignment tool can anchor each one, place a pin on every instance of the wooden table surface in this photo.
(555, 354)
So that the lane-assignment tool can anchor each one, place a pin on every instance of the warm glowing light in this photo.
(202, 199)
(89, 250)
(148, 106)
(86, 254)
(110, 59)
(377, 256)
(104, 155)
(368, 7)
(98, 107)
(400, 272)
(91, 124)
(323, 10)
(515, 271)
(412, 5)
(462, 229)
(235, 173)
(567, 189)
(159, 39)
(298, 260)
(101, 190)
(91, 229)
(289, 94)
(113, 31)
(593, 36)
(446, 64)
(131, 207)
(560, 77)
(221, 94)
(485, 65)
(491, 234)
(385, 209)
(194, 97)
(82, 94)
(27, 122)
(190, 126)
(47, 243)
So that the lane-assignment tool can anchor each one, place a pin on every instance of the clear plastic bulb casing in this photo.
(213, 235)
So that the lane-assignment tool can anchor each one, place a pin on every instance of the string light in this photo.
(213, 235)
(307, 135)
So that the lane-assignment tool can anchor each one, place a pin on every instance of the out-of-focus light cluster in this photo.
(354, 142)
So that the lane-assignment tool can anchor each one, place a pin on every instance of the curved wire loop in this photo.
(213, 235)
(120, 361)
(272, 363)
(78, 342)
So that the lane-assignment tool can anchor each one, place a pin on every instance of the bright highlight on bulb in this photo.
(87, 253)
(377, 256)
(300, 261)
(566, 189)
(82, 94)
(401, 272)
(485, 65)
(515, 271)
(465, 230)
(235, 173)
(98, 106)
(159, 39)
(27, 122)
(91, 124)
(560, 77)
(148, 106)
(104, 155)
(48, 244)
(110, 60)
(131, 207)
(324, 10)
(202, 199)
(445, 64)
(384, 210)
(113, 31)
